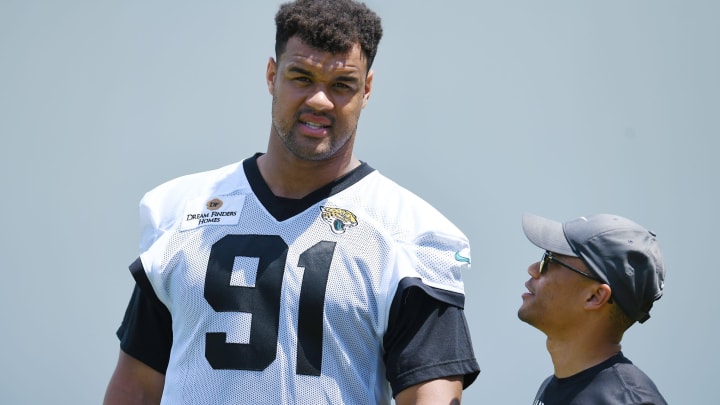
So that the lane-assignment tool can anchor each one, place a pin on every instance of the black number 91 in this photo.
(263, 302)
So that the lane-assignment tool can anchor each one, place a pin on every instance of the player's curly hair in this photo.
(329, 25)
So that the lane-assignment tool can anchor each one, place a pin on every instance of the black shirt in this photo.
(615, 381)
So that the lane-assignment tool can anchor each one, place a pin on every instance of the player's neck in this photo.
(290, 177)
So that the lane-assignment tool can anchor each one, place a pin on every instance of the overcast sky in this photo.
(487, 109)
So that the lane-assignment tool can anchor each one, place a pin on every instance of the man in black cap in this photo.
(598, 276)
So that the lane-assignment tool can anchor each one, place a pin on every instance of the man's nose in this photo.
(319, 100)
(534, 270)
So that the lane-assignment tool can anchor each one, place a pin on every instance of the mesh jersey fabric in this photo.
(616, 381)
(272, 306)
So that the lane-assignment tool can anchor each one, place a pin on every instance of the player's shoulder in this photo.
(162, 205)
(390, 195)
(397, 206)
(219, 181)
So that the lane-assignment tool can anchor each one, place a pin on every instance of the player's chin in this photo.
(319, 151)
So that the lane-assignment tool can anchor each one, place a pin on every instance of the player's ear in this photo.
(270, 74)
(368, 87)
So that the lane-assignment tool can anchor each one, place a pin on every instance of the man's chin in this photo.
(524, 316)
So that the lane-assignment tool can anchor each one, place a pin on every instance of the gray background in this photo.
(487, 109)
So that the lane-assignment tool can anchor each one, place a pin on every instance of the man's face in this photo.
(554, 299)
(317, 99)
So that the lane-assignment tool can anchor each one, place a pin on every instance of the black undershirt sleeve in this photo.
(146, 330)
(427, 337)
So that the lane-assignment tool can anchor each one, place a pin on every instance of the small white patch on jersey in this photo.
(212, 211)
(244, 271)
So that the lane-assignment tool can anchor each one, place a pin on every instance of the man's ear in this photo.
(270, 74)
(368, 87)
(598, 295)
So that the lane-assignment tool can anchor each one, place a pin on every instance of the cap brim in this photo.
(546, 234)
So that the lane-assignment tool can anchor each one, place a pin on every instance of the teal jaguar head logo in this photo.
(339, 219)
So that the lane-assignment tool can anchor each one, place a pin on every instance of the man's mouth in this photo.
(529, 290)
(314, 125)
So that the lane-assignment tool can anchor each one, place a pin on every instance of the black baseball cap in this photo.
(620, 252)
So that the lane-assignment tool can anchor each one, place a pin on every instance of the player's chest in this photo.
(321, 257)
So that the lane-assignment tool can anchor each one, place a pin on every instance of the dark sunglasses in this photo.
(548, 257)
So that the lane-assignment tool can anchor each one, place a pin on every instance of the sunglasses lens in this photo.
(543, 261)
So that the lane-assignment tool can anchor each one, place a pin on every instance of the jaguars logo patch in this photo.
(339, 219)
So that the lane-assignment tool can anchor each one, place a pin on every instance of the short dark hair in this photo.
(329, 25)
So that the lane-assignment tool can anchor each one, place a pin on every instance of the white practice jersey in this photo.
(287, 308)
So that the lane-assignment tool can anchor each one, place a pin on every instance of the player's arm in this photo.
(134, 382)
(444, 391)
(429, 356)
(145, 342)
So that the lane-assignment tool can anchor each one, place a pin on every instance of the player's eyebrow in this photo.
(342, 78)
(297, 69)
(347, 78)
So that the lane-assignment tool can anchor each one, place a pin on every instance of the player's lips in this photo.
(315, 120)
(315, 125)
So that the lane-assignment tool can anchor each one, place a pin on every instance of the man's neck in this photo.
(290, 177)
(571, 356)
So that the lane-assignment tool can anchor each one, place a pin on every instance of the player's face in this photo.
(554, 299)
(317, 99)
